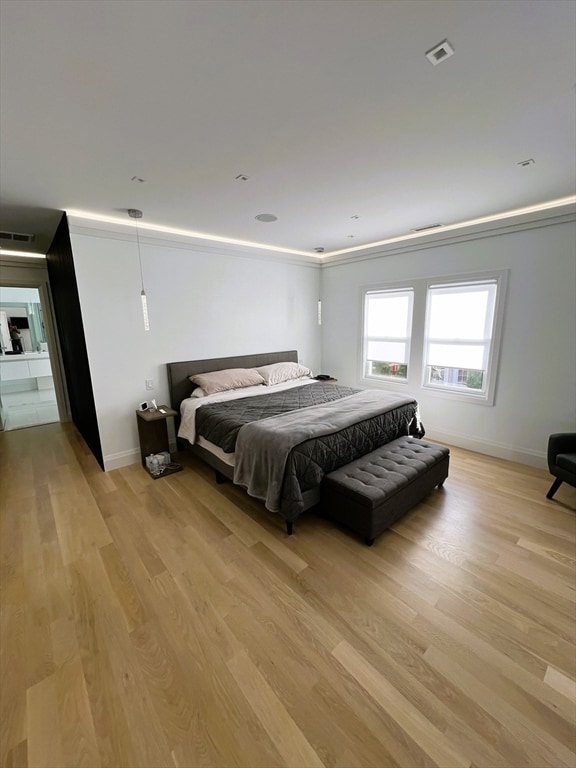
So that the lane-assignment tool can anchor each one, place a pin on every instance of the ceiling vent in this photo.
(16, 237)
(440, 52)
(430, 226)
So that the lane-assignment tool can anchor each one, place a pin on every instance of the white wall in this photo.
(201, 305)
(536, 388)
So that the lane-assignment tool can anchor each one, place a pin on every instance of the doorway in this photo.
(27, 392)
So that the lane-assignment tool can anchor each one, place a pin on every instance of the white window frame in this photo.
(490, 341)
(397, 290)
(417, 342)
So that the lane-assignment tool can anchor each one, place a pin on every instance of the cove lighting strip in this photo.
(4, 252)
(184, 233)
(461, 225)
(388, 241)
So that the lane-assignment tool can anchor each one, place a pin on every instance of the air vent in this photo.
(440, 52)
(16, 237)
(430, 226)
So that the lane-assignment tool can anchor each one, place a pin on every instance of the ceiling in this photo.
(345, 130)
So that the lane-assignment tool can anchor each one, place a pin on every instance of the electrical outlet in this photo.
(149, 384)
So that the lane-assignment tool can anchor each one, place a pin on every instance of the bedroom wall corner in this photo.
(535, 394)
(202, 303)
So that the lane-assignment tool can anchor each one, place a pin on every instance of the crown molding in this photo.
(112, 231)
(437, 239)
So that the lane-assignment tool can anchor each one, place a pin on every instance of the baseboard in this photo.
(125, 458)
(488, 447)
(122, 459)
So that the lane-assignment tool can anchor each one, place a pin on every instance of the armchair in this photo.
(562, 460)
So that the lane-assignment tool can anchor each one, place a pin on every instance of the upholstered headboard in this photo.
(178, 373)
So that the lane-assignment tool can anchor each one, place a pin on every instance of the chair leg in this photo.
(289, 527)
(555, 485)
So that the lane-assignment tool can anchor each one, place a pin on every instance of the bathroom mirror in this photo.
(21, 307)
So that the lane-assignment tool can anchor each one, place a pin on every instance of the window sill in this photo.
(457, 395)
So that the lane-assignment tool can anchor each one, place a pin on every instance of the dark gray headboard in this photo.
(178, 373)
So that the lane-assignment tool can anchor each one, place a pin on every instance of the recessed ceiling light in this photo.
(440, 52)
(266, 217)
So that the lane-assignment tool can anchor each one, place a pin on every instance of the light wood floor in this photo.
(173, 623)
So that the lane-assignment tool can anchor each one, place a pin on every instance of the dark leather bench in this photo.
(370, 494)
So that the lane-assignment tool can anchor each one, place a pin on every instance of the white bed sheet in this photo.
(189, 406)
(215, 450)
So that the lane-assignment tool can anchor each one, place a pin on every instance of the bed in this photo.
(279, 441)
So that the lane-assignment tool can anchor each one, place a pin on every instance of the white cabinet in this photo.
(16, 367)
(40, 367)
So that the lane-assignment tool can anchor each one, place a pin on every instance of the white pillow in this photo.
(279, 372)
(231, 378)
(198, 392)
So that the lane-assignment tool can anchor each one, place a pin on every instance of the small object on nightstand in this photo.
(324, 377)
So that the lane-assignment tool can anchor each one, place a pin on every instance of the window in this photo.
(387, 331)
(440, 335)
(458, 335)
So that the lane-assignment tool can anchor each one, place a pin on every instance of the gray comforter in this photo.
(221, 422)
(263, 447)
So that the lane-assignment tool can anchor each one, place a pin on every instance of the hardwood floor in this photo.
(173, 623)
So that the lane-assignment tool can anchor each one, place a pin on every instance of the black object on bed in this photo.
(342, 428)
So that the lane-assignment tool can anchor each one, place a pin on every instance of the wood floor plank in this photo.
(76, 727)
(43, 726)
(132, 608)
(13, 687)
(563, 684)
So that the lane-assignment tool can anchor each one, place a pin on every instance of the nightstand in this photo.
(153, 435)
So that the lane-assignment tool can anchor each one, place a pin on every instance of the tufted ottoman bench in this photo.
(371, 493)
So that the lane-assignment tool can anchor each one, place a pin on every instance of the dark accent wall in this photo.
(60, 263)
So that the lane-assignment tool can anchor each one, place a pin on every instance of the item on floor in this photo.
(156, 462)
(370, 494)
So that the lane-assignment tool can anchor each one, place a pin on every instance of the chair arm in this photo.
(561, 442)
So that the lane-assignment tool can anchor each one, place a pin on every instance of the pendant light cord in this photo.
(139, 256)
(135, 214)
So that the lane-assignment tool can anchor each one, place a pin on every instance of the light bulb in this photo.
(145, 310)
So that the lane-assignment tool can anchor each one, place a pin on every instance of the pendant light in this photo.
(134, 213)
